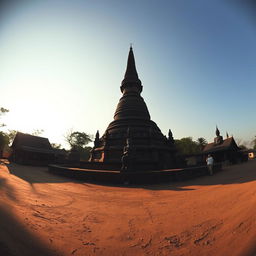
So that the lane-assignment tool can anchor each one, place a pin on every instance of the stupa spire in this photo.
(131, 71)
(131, 81)
(217, 131)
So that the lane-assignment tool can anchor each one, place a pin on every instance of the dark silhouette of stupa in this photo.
(132, 139)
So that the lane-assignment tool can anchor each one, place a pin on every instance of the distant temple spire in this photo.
(131, 81)
(97, 136)
(97, 139)
(217, 131)
(227, 135)
(170, 136)
(218, 139)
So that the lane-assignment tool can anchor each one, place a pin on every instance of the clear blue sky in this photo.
(62, 62)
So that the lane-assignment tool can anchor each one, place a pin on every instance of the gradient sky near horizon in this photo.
(62, 62)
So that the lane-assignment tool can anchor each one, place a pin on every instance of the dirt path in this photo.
(43, 214)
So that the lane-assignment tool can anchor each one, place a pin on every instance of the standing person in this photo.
(209, 161)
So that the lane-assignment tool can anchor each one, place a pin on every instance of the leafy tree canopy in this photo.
(4, 140)
(3, 111)
(78, 139)
(11, 135)
(56, 145)
(201, 142)
(186, 146)
(254, 143)
(242, 146)
(37, 132)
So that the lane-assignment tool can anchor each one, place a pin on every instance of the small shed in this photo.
(31, 150)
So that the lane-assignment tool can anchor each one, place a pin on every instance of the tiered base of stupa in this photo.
(149, 149)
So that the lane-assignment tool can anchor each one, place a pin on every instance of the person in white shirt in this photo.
(209, 161)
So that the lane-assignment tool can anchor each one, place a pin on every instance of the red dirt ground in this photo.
(44, 214)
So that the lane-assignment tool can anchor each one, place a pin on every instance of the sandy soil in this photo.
(44, 214)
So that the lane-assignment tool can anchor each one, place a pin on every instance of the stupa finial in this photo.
(217, 131)
(131, 81)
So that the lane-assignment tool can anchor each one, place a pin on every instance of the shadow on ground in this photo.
(235, 174)
(16, 240)
(34, 174)
(15, 237)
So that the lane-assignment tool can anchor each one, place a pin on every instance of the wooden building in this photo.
(31, 150)
(224, 150)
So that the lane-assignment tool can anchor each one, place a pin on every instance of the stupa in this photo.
(133, 140)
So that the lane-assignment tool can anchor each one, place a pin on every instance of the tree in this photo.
(56, 145)
(37, 132)
(78, 141)
(2, 112)
(254, 143)
(4, 141)
(201, 142)
(186, 146)
(242, 144)
(242, 147)
(11, 135)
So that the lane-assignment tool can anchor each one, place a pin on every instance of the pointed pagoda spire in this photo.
(131, 72)
(170, 136)
(131, 105)
(217, 131)
(227, 135)
(97, 139)
(131, 81)
(97, 136)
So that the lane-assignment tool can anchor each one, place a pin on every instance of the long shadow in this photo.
(7, 189)
(33, 174)
(16, 240)
(15, 237)
(235, 174)
(250, 251)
